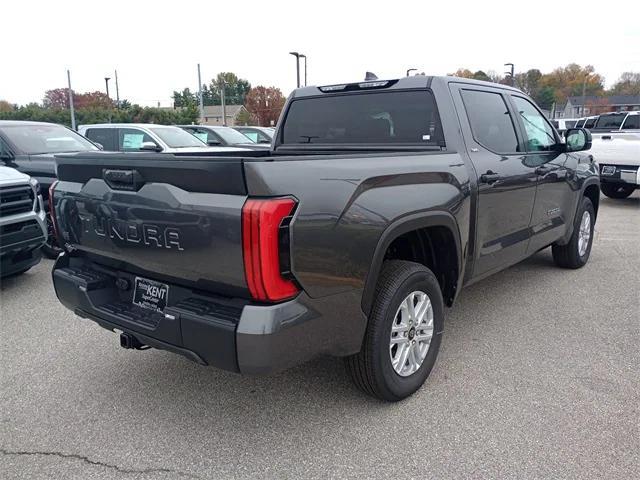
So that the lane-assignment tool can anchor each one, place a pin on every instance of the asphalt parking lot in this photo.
(538, 377)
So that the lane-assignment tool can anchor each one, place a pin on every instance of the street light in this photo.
(305, 68)
(510, 73)
(409, 70)
(106, 82)
(297, 55)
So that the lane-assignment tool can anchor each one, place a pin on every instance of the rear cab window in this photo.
(380, 118)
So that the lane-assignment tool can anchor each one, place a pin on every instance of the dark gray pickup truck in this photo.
(378, 202)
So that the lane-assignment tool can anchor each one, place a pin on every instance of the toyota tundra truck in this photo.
(378, 202)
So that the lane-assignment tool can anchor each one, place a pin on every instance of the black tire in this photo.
(616, 190)
(568, 256)
(371, 369)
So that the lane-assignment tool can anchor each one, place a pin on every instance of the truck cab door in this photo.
(506, 183)
(555, 201)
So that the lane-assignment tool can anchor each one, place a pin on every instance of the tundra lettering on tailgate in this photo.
(133, 232)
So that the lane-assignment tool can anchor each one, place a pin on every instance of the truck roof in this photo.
(416, 81)
(13, 123)
(119, 125)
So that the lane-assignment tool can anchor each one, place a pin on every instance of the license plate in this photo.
(608, 170)
(628, 176)
(150, 294)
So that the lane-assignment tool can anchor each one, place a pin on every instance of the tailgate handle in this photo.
(123, 179)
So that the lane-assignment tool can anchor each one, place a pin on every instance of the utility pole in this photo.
(224, 106)
(117, 90)
(106, 82)
(200, 95)
(73, 115)
(297, 55)
(510, 73)
(584, 92)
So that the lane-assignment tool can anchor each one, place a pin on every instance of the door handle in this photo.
(606, 137)
(489, 177)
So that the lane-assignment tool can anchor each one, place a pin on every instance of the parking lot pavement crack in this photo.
(88, 461)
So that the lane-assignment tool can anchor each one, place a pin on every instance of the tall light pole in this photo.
(117, 90)
(73, 115)
(106, 82)
(297, 55)
(200, 95)
(409, 70)
(584, 92)
(510, 73)
(223, 102)
(305, 68)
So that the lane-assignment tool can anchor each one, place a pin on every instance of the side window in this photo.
(199, 133)
(540, 136)
(4, 149)
(490, 121)
(632, 121)
(253, 136)
(105, 137)
(131, 139)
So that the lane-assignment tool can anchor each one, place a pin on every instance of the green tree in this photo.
(545, 97)
(184, 98)
(627, 84)
(480, 75)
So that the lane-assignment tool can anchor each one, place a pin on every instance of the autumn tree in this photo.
(573, 80)
(59, 98)
(462, 73)
(5, 106)
(265, 104)
(627, 84)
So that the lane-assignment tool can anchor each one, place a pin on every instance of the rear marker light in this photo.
(261, 233)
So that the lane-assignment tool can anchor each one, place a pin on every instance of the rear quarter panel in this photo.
(347, 202)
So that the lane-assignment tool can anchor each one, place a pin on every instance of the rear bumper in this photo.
(230, 334)
(620, 174)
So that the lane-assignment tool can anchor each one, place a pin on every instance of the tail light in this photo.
(52, 210)
(265, 243)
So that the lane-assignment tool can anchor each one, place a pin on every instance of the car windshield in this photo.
(175, 137)
(610, 121)
(36, 139)
(232, 136)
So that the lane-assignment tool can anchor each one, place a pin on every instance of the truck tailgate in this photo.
(165, 217)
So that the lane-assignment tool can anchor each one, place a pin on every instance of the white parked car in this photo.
(23, 228)
(618, 154)
(137, 137)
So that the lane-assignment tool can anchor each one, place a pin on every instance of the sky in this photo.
(156, 46)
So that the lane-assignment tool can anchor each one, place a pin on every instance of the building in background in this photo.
(580, 106)
(213, 115)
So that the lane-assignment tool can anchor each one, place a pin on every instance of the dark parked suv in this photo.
(379, 202)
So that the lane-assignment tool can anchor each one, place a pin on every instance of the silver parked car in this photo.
(137, 137)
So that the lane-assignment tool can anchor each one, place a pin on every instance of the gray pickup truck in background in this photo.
(377, 204)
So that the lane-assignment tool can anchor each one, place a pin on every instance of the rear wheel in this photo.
(403, 333)
(575, 254)
(616, 190)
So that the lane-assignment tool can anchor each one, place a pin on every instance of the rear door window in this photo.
(490, 121)
(372, 118)
(107, 137)
(632, 122)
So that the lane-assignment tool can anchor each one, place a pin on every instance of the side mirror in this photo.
(213, 143)
(577, 139)
(150, 147)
